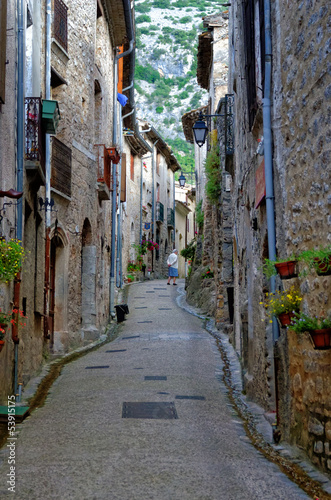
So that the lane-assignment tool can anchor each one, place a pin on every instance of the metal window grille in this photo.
(34, 138)
(60, 26)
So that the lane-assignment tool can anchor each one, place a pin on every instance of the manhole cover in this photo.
(95, 367)
(155, 377)
(199, 398)
(132, 337)
(158, 410)
(117, 350)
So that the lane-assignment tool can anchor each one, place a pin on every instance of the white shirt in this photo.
(173, 260)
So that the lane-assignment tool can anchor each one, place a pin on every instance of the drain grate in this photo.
(117, 350)
(162, 289)
(155, 377)
(199, 398)
(159, 410)
(144, 307)
(163, 393)
(138, 368)
(144, 321)
(132, 337)
(95, 367)
(150, 292)
(165, 309)
(164, 295)
(139, 297)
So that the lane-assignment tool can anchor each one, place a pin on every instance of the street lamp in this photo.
(200, 129)
(182, 180)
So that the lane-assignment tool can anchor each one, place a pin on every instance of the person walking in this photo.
(173, 266)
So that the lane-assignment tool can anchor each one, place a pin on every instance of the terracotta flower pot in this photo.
(2, 343)
(321, 338)
(286, 270)
(286, 318)
(323, 267)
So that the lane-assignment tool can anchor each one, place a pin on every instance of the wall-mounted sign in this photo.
(260, 191)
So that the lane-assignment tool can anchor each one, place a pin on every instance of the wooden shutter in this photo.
(123, 178)
(3, 43)
(61, 167)
(132, 167)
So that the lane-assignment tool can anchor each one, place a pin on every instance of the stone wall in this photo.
(310, 389)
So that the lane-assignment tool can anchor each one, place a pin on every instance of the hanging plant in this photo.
(11, 258)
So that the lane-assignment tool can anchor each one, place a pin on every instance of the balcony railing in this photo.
(171, 218)
(159, 212)
(34, 137)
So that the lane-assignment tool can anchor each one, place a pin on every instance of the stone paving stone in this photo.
(78, 446)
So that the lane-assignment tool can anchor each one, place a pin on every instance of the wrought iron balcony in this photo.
(171, 218)
(34, 141)
(229, 133)
(159, 212)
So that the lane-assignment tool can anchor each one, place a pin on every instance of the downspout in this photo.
(270, 199)
(47, 169)
(19, 168)
(129, 26)
(153, 199)
(174, 195)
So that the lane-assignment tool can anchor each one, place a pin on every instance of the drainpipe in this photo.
(19, 166)
(47, 168)
(129, 26)
(270, 198)
(174, 189)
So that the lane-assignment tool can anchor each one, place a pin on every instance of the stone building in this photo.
(281, 205)
(185, 224)
(68, 67)
(214, 251)
(158, 196)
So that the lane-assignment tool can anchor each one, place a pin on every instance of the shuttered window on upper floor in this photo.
(3, 44)
(61, 168)
(60, 24)
(249, 34)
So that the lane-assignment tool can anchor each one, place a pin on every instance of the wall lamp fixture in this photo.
(200, 129)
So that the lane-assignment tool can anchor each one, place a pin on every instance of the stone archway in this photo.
(58, 299)
(88, 284)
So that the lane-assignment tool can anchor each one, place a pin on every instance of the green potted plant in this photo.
(11, 258)
(319, 259)
(319, 329)
(283, 304)
(284, 267)
(130, 277)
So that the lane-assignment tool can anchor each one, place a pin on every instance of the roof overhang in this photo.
(163, 148)
(189, 119)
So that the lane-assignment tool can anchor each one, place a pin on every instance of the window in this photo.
(61, 167)
(132, 168)
(158, 161)
(3, 41)
(248, 13)
(60, 27)
(157, 191)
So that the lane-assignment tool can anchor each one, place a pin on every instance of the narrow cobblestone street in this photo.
(79, 446)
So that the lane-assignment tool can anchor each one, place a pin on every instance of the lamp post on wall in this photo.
(182, 180)
(200, 129)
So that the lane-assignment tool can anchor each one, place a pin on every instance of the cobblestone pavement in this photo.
(79, 446)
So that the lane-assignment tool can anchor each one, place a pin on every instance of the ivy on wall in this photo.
(213, 175)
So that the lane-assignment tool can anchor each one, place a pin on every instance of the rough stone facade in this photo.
(300, 98)
(75, 308)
